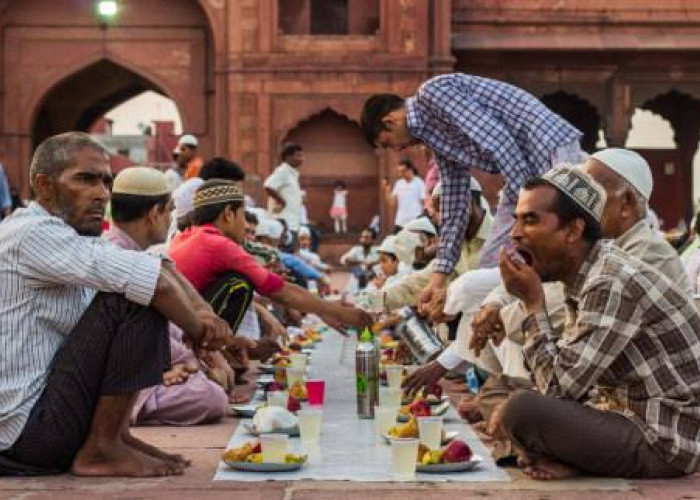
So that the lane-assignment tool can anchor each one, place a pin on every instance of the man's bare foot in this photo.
(545, 469)
(134, 442)
(120, 460)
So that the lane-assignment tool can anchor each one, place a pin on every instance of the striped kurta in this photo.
(48, 276)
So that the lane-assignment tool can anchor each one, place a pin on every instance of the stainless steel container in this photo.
(423, 342)
(367, 377)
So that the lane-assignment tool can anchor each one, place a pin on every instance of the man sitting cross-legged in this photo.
(83, 325)
(632, 337)
(141, 208)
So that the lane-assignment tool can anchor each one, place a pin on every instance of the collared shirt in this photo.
(469, 121)
(285, 181)
(49, 276)
(203, 253)
(357, 254)
(634, 335)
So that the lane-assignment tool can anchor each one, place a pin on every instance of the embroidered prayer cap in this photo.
(141, 181)
(215, 191)
(580, 187)
(631, 166)
(422, 224)
(184, 195)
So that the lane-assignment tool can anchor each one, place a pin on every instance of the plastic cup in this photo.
(315, 391)
(384, 419)
(394, 375)
(404, 453)
(294, 376)
(310, 420)
(390, 396)
(298, 360)
(278, 398)
(274, 447)
(430, 431)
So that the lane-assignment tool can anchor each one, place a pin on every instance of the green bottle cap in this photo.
(366, 335)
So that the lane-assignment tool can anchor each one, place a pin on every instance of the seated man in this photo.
(391, 269)
(84, 325)
(210, 255)
(361, 258)
(141, 213)
(631, 338)
(309, 256)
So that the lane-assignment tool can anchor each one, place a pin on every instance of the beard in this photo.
(64, 208)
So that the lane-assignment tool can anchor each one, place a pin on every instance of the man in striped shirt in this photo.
(82, 325)
(469, 122)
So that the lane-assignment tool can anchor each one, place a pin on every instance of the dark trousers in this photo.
(230, 296)
(602, 443)
(117, 348)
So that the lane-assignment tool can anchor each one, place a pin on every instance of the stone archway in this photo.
(335, 149)
(58, 62)
(579, 112)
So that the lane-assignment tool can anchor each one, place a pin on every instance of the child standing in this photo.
(339, 208)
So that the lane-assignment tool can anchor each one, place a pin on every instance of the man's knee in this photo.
(519, 409)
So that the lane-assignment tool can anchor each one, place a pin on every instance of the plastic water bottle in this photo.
(473, 381)
(366, 375)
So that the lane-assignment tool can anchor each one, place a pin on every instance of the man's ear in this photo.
(41, 184)
(576, 228)
(390, 120)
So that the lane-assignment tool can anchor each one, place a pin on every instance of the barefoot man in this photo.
(83, 325)
(632, 337)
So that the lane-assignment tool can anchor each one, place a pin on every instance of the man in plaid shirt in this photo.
(632, 337)
(469, 121)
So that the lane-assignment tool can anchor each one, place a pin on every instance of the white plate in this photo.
(455, 467)
(264, 467)
(290, 431)
(442, 399)
(246, 411)
(449, 436)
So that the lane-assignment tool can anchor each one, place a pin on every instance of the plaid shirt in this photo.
(469, 121)
(634, 336)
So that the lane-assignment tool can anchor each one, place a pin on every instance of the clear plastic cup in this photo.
(298, 360)
(310, 421)
(430, 431)
(274, 447)
(384, 419)
(404, 453)
(394, 375)
(278, 398)
(294, 376)
(315, 392)
(390, 396)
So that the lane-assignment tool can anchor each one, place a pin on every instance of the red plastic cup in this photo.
(315, 390)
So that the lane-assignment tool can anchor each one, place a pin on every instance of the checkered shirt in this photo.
(633, 336)
(469, 121)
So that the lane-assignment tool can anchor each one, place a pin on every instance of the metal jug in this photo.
(423, 342)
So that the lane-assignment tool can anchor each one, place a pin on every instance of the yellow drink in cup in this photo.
(394, 375)
(403, 458)
(278, 398)
(390, 396)
(298, 360)
(310, 421)
(274, 447)
(384, 419)
(430, 431)
(294, 376)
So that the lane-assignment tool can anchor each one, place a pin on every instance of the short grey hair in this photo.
(58, 152)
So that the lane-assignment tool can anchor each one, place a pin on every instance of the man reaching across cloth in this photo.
(632, 336)
(82, 325)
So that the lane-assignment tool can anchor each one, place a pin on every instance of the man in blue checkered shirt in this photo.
(469, 121)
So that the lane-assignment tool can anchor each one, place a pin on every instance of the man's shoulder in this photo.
(615, 265)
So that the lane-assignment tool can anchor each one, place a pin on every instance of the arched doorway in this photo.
(335, 149)
(579, 112)
(63, 68)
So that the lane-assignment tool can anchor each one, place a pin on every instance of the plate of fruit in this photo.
(273, 419)
(249, 458)
(420, 407)
(409, 430)
(455, 457)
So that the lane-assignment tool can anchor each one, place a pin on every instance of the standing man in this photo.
(189, 164)
(469, 121)
(282, 188)
(83, 325)
(407, 195)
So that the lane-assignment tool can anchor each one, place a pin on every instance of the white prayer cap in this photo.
(270, 228)
(184, 195)
(141, 181)
(388, 246)
(188, 140)
(304, 231)
(405, 244)
(422, 224)
(631, 166)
